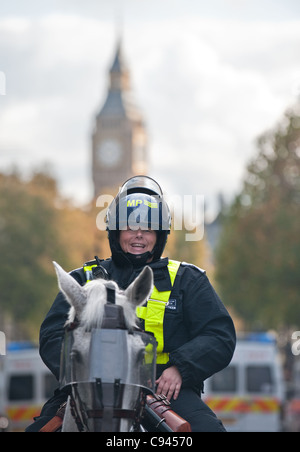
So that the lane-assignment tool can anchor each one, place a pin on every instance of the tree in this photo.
(258, 260)
(27, 239)
(194, 252)
(38, 226)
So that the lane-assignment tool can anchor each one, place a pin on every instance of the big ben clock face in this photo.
(109, 153)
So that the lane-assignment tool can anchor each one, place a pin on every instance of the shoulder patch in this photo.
(186, 264)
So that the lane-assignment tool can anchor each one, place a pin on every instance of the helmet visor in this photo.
(139, 211)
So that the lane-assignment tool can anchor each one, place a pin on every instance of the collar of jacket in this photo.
(125, 275)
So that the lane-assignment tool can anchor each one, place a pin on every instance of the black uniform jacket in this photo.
(199, 333)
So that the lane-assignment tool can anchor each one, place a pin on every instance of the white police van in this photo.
(249, 394)
(25, 385)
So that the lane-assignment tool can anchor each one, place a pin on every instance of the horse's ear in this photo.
(73, 291)
(141, 288)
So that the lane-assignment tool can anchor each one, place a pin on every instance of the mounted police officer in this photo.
(194, 332)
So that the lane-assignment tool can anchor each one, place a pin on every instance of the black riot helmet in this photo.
(138, 205)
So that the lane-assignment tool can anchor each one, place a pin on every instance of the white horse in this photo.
(103, 357)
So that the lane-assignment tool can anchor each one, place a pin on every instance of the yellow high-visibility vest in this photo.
(153, 313)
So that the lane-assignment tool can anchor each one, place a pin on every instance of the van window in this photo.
(21, 387)
(259, 379)
(225, 381)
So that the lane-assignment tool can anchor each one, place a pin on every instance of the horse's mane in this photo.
(92, 314)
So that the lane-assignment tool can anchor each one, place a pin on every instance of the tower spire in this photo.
(119, 73)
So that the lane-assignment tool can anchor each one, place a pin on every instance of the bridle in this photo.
(106, 413)
(113, 319)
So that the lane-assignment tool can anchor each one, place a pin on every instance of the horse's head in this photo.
(95, 351)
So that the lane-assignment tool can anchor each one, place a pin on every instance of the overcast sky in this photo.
(209, 77)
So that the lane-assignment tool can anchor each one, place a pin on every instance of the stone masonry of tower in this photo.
(119, 139)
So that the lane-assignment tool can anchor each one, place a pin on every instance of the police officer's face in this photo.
(137, 242)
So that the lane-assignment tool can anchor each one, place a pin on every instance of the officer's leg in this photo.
(48, 411)
(201, 418)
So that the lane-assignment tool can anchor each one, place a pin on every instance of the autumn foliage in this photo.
(258, 261)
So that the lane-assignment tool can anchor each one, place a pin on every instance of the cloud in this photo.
(207, 89)
(52, 67)
(214, 88)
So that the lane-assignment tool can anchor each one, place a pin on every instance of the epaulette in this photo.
(96, 261)
(93, 270)
(186, 264)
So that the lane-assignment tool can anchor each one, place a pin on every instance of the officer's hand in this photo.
(169, 383)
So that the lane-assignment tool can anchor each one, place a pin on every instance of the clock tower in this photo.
(119, 138)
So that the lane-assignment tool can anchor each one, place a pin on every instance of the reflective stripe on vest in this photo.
(153, 314)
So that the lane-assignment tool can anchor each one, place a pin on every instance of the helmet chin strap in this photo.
(138, 260)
